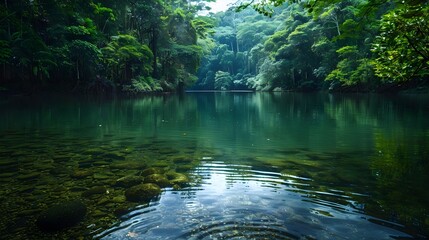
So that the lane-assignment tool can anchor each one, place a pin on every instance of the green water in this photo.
(257, 165)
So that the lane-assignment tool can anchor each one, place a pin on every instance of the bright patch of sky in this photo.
(221, 5)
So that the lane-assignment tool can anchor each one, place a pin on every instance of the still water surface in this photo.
(259, 165)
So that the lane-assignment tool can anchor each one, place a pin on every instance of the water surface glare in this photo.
(229, 166)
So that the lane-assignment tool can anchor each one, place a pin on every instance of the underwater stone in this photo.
(101, 176)
(168, 151)
(119, 199)
(142, 192)
(184, 167)
(158, 179)
(61, 216)
(7, 175)
(4, 162)
(100, 163)
(161, 164)
(28, 176)
(61, 158)
(80, 174)
(129, 181)
(177, 178)
(115, 156)
(94, 151)
(121, 211)
(85, 164)
(150, 171)
(94, 191)
(128, 165)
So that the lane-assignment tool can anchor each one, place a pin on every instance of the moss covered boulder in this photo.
(158, 179)
(177, 178)
(142, 192)
(129, 181)
(61, 216)
(150, 171)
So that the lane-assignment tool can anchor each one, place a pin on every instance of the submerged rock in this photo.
(182, 160)
(94, 191)
(128, 165)
(150, 171)
(61, 216)
(158, 179)
(129, 181)
(114, 156)
(142, 192)
(184, 167)
(80, 174)
(177, 178)
(28, 176)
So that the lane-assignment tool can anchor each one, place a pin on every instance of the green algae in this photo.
(98, 175)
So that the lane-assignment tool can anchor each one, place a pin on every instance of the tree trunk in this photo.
(153, 45)
(337, 24)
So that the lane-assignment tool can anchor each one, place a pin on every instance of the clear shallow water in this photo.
(263, 166)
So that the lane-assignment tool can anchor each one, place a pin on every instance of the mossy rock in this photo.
(85, 164)
(113, 156)
(78, 173)
(150, 171)
(142, 192)
(102, 176)
(61, 216)
(94, 151)
(158, 179)
(100, 163)
(184, 167)
(120, 211)
(94, 191)
(28, 176)
(119, 199)
(61, 158)
(129, 181)
(177, 178)
(128, 165)
(161, 164)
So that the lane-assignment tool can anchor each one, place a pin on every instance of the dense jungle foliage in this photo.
(166, 45)
(352, 45)
(99, 45)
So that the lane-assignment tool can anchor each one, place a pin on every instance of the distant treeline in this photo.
(99, 45)
(353, 45)
(137, 46)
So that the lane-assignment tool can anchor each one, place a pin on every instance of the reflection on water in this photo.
(260, 166)
(236, 201)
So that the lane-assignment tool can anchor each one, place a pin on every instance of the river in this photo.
(257, 165)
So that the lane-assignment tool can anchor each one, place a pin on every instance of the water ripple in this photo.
(234, 201)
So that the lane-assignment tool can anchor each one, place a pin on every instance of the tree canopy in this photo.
(348, 45)
(164, 45)
(131, 46)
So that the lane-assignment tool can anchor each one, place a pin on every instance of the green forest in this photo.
(105, 46)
